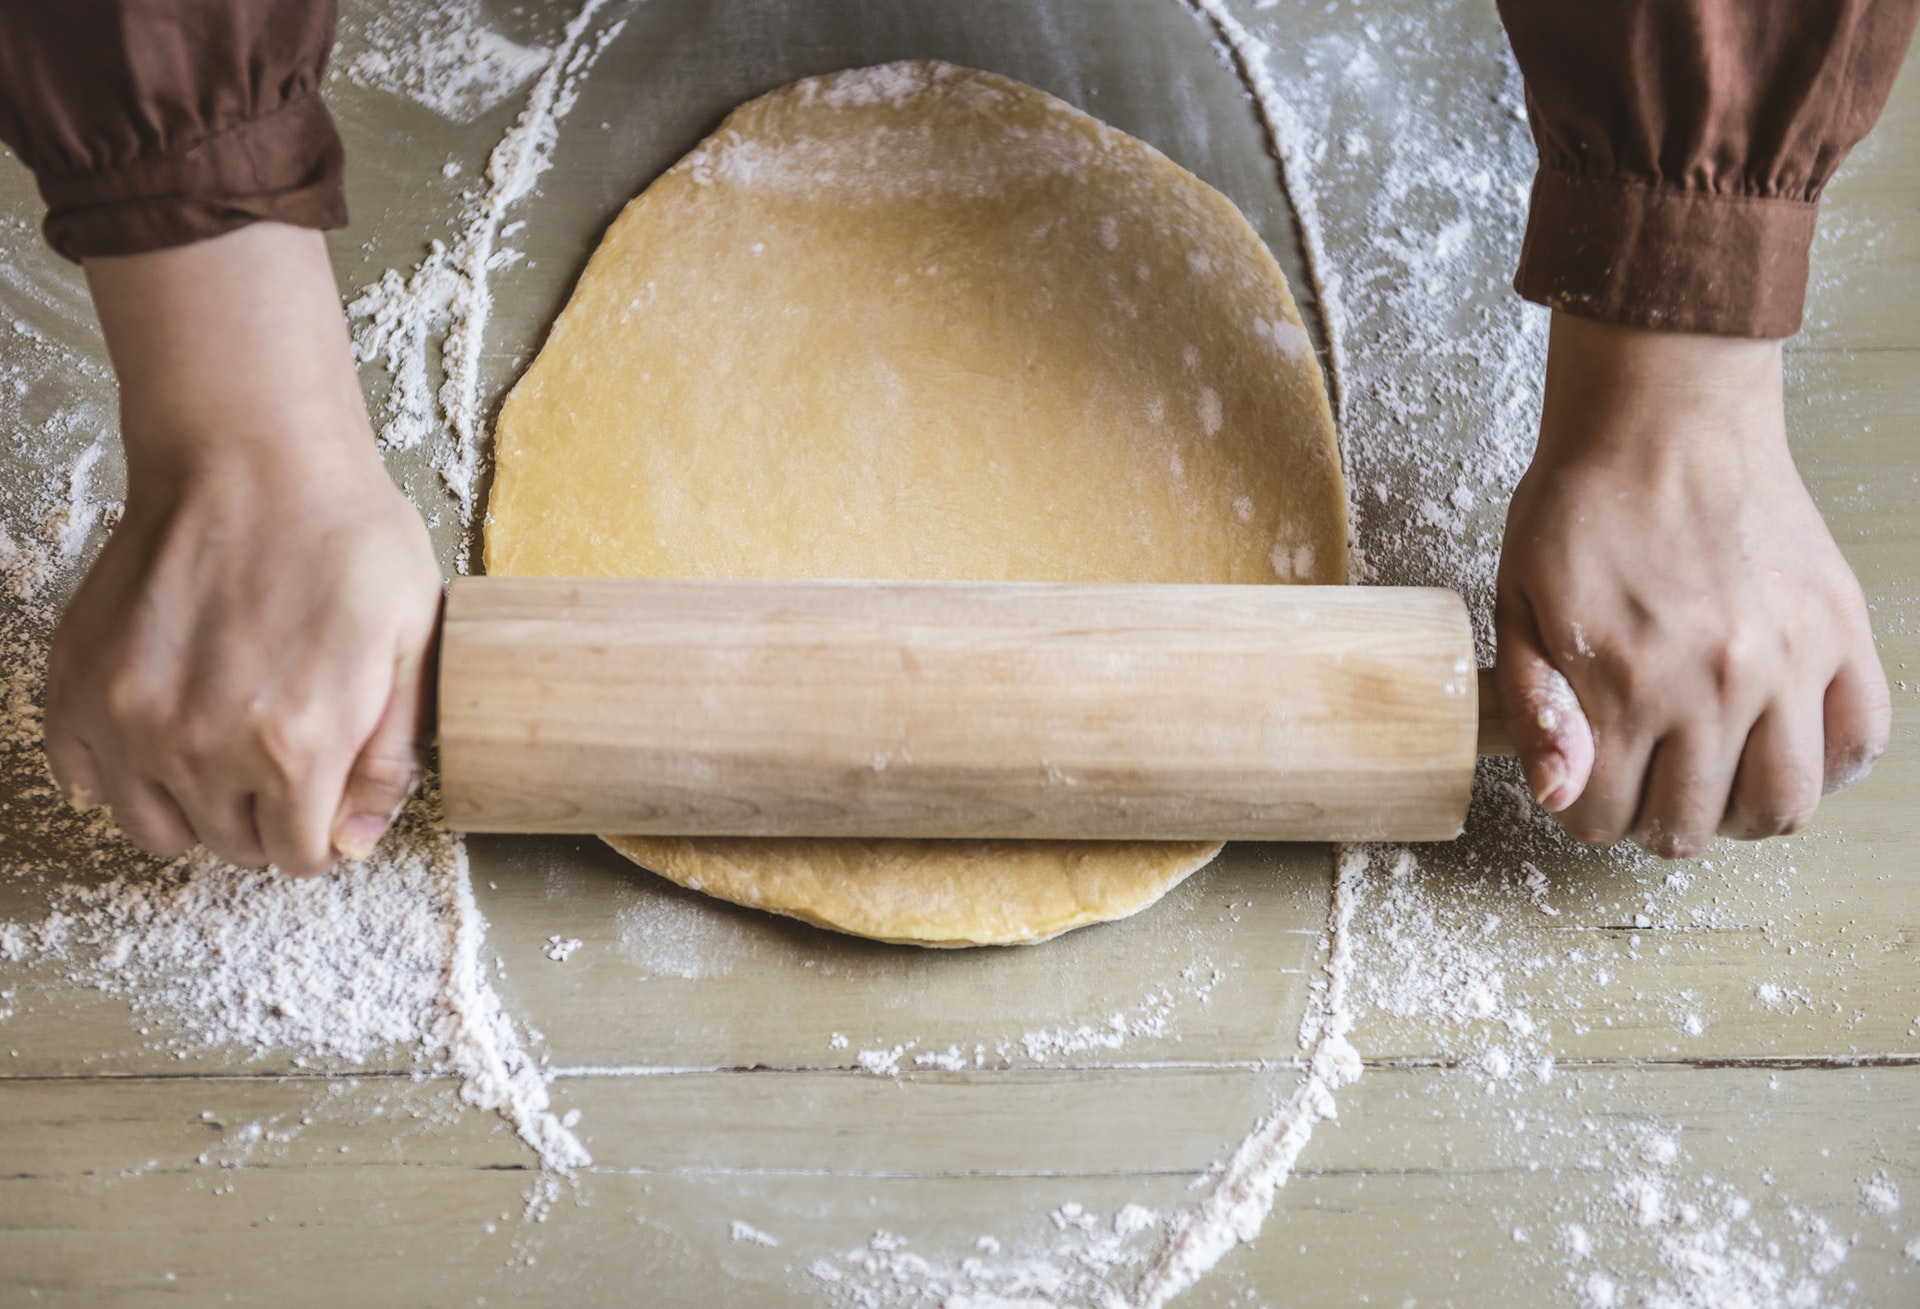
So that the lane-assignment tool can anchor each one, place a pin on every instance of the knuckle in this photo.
(1622, 664)
(154, 843)
(303, 872)
(304, 859)
(1780, 817)
(239, 854)
(131, 702)
(155, 840)
(1851, 757)
(388, 774)
(290, 741)
(1588, 832)
(1793, 818)
(194, 745)
(1734, 664)
(1676, 845)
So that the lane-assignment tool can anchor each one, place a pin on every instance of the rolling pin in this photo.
(958, 709)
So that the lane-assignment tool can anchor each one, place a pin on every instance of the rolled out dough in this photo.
(916, 321)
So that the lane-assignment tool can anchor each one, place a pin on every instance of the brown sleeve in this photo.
(1683, 148)
(153, 123)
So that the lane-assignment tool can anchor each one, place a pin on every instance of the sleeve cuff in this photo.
(285, 166)
(1627, 251)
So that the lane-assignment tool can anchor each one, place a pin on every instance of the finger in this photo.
(1857, 716)
(1689, 777)
(1543, 717)
(224, 822)
(1778, 784)
(147, 815)
(294, 767)
(384, 774)
(75, 771)
(1611, 799)
(293, 817)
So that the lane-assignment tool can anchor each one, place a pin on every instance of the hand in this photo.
(244, 665)
(1665, 567)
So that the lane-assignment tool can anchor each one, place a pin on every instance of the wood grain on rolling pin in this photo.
(956, 709)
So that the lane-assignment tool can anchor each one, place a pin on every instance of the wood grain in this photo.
(1435, 1186)
(956, 709)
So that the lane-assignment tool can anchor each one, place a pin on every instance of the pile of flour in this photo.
(444, 56)
(381, 958)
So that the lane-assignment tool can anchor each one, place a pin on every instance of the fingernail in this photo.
(1548, 778)
(1848, 770)
(356, 835)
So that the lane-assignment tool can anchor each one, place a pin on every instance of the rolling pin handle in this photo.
(1493, 722)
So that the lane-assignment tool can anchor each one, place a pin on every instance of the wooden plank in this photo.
(1217, 971)
(743, 988)
(1417, 1191)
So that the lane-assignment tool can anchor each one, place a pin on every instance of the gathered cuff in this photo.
(285, 166)
(1632, 252)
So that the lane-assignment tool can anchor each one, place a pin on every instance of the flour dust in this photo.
(443, 55)
(436, 316)
(380, 958)
(1411, 191)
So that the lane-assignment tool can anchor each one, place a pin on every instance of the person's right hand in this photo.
(244, 666)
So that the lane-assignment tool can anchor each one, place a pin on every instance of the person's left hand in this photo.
(1664, 563)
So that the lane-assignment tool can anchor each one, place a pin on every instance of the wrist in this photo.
(231, 353)
(1638, 389)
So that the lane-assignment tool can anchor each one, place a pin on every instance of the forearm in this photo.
(230, 349)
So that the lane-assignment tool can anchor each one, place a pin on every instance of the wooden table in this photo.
(1744, 1035)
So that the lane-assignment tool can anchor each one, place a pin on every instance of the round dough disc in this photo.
(921, 322)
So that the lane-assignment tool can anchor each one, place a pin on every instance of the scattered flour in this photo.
(385, 955)
(883, 1063)
(1153, 1016)
(378, 955)
(1160, 1255)
(740, 1231)
(447, 300)
(1078, 1263)
(1881, 1194)
(1242, 1198)
(443, 55)
(668, 933)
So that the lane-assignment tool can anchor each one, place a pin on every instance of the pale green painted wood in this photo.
(1416, 1191)
(1413, 1195)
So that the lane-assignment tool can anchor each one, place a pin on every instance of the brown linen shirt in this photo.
(152, 123)
(1683, 148)
(1683, 143)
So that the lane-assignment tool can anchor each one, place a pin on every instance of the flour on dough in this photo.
(921, 322)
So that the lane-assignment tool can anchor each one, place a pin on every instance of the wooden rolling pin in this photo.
(957, 709)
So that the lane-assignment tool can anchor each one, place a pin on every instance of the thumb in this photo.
(386, 768)
(1544, 720)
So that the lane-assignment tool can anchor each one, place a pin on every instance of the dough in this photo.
(916, 321)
